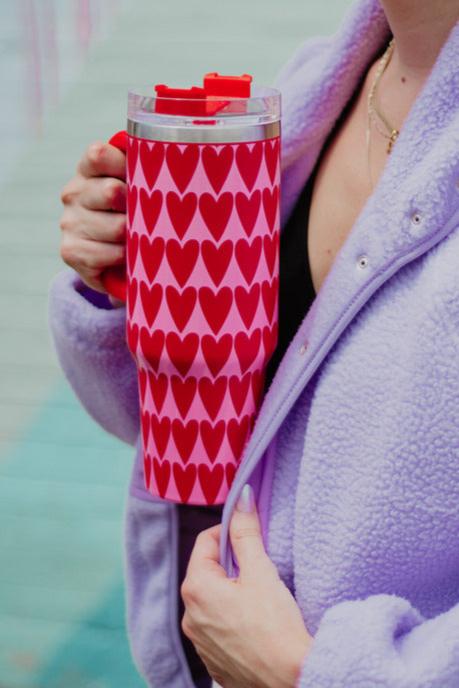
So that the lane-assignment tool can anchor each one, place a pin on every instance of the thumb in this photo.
(246, 537)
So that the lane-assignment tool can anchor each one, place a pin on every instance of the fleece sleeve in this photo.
(89, 336)
(383, 641)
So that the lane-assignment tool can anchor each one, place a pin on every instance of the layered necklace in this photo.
(374, 113)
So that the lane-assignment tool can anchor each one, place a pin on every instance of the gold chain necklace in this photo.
(392, 132)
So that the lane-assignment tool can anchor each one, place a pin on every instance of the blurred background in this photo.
(65, 66)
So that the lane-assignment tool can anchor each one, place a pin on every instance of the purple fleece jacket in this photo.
(354, 456)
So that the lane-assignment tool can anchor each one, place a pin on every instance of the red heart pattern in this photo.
(217, 164)
(182, 258)
(151, 205)
(131, 203)
(151, 158)
(181, 211)
(216, 212)
(152, 253)
(181, 304)
(216, 258)
(202, 259)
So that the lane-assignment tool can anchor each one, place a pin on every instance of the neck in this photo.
(420, 28)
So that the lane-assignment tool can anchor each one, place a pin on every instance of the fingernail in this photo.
(246, 501)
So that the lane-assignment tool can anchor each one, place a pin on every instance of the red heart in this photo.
(132, 155)
(248, 208)
(185, 436)
(151, 298)
(239, 387)
(182, 258)
(158, 386)
(161, 430)
(132, 250)
(142, 377)
(230, 470)
(271, 157)
(247, 348)
(181, 304)
(247, 303)
(258, 381)
(237, 432)
(215, 306)
(216, 352)
(152, 254)
(270, 205)
(210, 480)
(212, 393)
(249, 161)
(147, 470)
(131, 204)
(270, 339)
(212, 437)
(145, 420)
(181, 211)
(162, 473)
(270, 244)
(217, 164)
(152, 159)
(216, 212)
(248, 256)
(182, 164)
(269, 295)
(184, 479)
(132, 337)
(151, 205)
(132, 295)
(216, 258)
(182, 352)
(151, 346)
(183, 391)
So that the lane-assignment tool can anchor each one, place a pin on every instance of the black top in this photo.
(296, 290)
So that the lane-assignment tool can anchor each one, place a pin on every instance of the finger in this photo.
(206, 554)
(116, 303)
(91, 258)
(96, 225)
(104, 193)
(103, 160)
(247, 543)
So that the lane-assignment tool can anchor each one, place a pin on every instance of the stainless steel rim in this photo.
(202, 133)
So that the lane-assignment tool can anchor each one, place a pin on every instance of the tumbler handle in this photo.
(114, 279)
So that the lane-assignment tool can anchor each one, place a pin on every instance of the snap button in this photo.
(303, 348)
(362, 261)
(416, 218)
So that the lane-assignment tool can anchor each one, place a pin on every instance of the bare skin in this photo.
(342, 184)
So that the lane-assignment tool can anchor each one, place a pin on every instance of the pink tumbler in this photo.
(203, 174)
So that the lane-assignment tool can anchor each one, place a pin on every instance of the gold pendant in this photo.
(392, 140)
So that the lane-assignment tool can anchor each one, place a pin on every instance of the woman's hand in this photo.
(248, 630)
(94, 219)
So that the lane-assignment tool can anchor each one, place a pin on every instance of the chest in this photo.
(342, 186)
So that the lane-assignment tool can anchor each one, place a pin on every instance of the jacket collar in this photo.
(420, 178)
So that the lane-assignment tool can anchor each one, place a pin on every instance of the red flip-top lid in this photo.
(202, 99)
(216, 84)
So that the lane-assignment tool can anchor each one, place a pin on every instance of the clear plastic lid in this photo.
(150, 116)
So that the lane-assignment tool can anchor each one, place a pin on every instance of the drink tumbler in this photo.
(202, 275)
